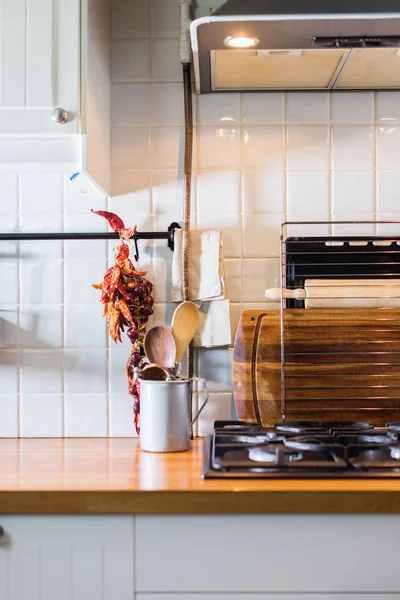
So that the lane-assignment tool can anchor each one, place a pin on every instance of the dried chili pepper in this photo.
(116, 223)
(127, 300)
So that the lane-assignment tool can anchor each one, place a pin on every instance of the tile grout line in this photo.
(18, 246)
(63, 312)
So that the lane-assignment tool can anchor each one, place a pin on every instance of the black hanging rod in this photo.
(89, 235)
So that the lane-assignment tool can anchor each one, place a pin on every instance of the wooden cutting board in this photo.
(340, 365)
(343, 293)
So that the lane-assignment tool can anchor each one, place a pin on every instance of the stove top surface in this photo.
(302, 449)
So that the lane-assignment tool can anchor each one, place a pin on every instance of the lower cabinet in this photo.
(267, 597)
(216, 557)
(268, 554)
(66, 558)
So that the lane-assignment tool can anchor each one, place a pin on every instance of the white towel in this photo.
(206, 266)
(206, 283)
(214, 328)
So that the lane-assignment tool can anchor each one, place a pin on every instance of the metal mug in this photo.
(165, 409)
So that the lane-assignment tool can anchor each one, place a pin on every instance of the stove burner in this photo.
(377, 440)
(241, 439)
(395, 452)
(304, 442)
(274, 454)
(298, 426)
(346, 426)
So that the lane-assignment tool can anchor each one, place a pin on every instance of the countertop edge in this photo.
(199, 502)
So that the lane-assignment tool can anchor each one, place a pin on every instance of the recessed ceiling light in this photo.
(241, 41)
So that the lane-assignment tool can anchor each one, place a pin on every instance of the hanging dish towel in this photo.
(207, 284)
(206, 266)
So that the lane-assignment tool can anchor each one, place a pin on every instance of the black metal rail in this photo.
(89, 235)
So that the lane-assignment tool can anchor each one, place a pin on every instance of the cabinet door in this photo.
(66, 558)
(39, 65)
(270, 554)
(267, 597)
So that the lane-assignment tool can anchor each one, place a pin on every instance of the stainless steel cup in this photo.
(165, 424)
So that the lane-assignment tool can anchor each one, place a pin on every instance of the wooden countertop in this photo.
(45, 476)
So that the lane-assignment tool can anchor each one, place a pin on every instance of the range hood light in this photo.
(241, 41)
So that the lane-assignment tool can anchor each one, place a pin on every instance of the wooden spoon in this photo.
(154, 372)
(184, 325)
(160, 348)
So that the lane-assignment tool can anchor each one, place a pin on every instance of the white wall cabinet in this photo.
(56, 54)
(39, 68)
(67, 558)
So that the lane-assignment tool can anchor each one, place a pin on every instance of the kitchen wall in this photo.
(259, 159)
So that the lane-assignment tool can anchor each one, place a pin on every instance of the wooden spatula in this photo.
(184, 326)
(159, 345)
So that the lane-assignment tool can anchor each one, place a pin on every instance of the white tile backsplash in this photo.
(130, 104)
(41, 326)
(47, 187)
(218, 109)
(9, 409)
(218, 147)
(308, 147)
(166, 63)
(353, 189)
(86, 415)
(263, 147)
(9, 326)
(388, 147)
(167, 145)
(352, 147)
(9, 277)
(307, 108)
(218, 192)
(41, 415)
(263, 109)
(263, 191)
(307, 191)
(388, 192)
(41, 371)
(130, 60)
(387, 107)
(352, 107)
(167, 104)
(41, 281)
(259, 159)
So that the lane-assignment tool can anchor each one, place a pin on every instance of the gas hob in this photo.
(306, 449)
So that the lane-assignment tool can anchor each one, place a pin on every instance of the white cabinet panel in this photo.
(39, 53)
(67, 558)
(268, 553)
(39, 69)
(13, 53)
(267, 597)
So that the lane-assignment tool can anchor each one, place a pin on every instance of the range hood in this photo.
(267, 45)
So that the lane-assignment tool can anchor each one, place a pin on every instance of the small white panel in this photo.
(13, 53)
(39, 53)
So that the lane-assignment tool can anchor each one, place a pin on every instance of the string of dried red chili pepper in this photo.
(127, 299)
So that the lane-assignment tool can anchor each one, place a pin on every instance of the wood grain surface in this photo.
(112, 476)
(339, 365)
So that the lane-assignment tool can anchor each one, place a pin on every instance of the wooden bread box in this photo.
(340, 364)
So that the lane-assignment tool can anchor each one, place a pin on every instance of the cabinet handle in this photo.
(1, 531)
(60, 116)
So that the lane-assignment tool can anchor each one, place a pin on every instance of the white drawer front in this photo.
(66, 558)
(267, 597)
(268, 553)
